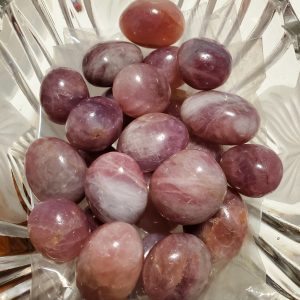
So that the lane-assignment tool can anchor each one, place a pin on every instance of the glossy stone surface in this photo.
(224, 233)
(61, 90)
(253, 170)
(165, 60)
(141, 89)
(213, 149)
(188, 188)
(58, 229)
(94, 124)
(116, 188)
(220, 118)
(150, 241)
(152, 23)
(54, 170)
(110, 264)
(177, 268)
(105, 60)
(204, 64)
(152, 138)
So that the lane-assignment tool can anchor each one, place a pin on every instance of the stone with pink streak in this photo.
(220, 118)
(177, 268)
(116, 189)
(189, 187)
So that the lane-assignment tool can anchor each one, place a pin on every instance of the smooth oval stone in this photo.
(177, 268)
(188, 188)
(61, 90)
(152, 138)
(58, 229)
(225, 232)
(94, 124)
(253, 170)
(150, 241)
(110, 263)
(116, 188)
(165, 60)
(220, 118)
(213, 149)
(54, 170)
(141, 89)
(152, 23)
(204, 64)
(104, 61)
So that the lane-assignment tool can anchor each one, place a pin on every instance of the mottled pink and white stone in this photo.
(225, 232)
(253, 170)
(141, 89)
(189, 187)
(58, 229)
(177, 268)
(54, 170)
(116, 188)
(152, 138)
(220, 118)
(110, 263)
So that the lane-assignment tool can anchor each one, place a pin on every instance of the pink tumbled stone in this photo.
(58, 229)
(141, 89)
(116, 188)
(110, 263)
(152, 138)
(225, 232)
(253, 170)
(189, 187)
(220, 118)
(177, 268)
(54, 170)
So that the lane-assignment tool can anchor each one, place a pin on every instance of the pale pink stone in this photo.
(110, 263)
(189, 187)
(116, 188)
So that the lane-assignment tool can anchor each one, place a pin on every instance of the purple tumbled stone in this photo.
(94, 124)
(54, 170)
(177, 268)
(152, 138)
(104, 61)
(61, 90)
(165, 60)
(116, 188)
(189, 187)
(204, 64)
(253, 170)
(58, 229)
(141, 89)
(220, 118)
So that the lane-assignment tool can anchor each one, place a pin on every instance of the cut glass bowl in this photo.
(263, 37)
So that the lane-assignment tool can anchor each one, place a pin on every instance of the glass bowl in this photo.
(263, 37)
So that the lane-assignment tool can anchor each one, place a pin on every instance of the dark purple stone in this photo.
(204, 64)
(94, 124)
(61, 90)
(105, 60)
(253, 170)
